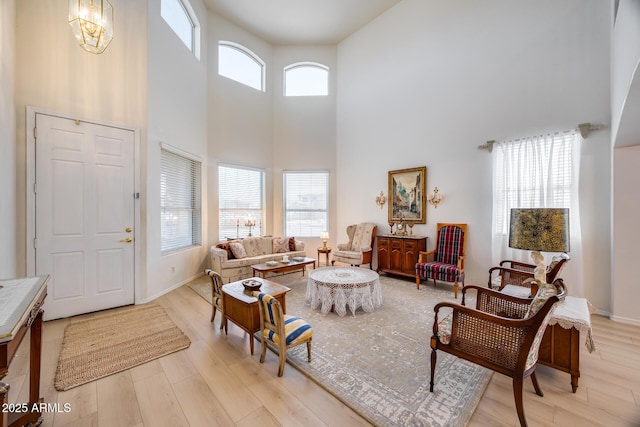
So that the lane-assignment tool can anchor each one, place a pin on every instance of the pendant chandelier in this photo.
(92, 23)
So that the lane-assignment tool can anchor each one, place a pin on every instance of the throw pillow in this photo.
(238, 250)
(280, 245)
(227, 248)
(545, 290)
(292, 244)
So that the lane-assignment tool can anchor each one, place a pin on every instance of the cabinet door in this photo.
(410, 256)
(383, 253)
(396, 255)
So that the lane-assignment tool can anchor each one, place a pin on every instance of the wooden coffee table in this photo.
(291, 265)
(243, 310)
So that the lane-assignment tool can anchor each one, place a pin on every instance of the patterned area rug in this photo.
(379, 363)
(115, 341)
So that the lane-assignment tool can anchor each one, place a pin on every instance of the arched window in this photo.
(182, 20)
(306, 79)
(240, 64)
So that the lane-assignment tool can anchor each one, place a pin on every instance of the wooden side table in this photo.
(326, 251)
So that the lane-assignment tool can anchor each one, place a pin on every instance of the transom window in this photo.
(180, 202)
(306, 79)
(238, 63)
(306, 203)
(241, 201)
(182, 20)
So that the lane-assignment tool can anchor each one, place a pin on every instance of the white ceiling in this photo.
(300, 21)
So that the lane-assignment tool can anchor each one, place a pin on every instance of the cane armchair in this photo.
(359, 249)
(503, 333)
(216, 297)
(281, 330)
(446, 261)
(519, 274)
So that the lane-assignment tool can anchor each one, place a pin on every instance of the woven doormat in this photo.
(114, 342)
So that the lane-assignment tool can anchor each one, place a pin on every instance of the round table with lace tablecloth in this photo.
(335, 288)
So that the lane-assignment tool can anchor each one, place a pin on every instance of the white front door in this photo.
(84, 203)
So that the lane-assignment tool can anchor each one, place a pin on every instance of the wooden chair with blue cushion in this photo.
(281, 330)
(503, 333)
(446, 261)
(216, 297)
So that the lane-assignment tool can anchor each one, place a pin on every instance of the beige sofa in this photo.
(258, 250)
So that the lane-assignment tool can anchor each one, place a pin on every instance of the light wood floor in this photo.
(217, 382)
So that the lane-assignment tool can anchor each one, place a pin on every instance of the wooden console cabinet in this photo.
(399, 254)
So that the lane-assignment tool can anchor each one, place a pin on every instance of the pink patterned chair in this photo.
(446, 261)
(359, 249)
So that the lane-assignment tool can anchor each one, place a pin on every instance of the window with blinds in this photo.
(306, 203)
(180, 202)
(241, 199)
(532, 172)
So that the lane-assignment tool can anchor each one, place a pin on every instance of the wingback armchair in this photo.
(503, 333)
(516, 273)
(446, 261)
(359, 249)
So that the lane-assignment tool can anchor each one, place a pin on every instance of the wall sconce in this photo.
(324, 236)
(92, 23)
(434, 198)
(381, 200)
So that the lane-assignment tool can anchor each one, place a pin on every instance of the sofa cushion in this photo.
(545, 291)
(280, 245)
(227, 248)
(257, 245)
(238, 250)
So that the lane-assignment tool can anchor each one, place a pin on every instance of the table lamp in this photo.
(539, 229)
(324, 236)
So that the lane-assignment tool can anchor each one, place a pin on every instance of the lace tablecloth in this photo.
(339, 287)
(574, 312)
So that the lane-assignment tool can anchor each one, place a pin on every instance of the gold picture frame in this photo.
(407, 195)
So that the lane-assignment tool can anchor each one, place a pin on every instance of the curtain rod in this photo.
(584, 128)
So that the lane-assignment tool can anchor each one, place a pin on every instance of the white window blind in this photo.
(241, 196)
(306, 203)
(180, 202)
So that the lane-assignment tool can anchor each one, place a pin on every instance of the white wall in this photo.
(8, 219)
(177, 115)
(426, 83)
(239, 118)
(304, 133)
(625, 107)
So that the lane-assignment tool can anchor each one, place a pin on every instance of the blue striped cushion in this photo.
(296, 331)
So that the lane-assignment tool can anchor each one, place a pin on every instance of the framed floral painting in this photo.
(407, 197)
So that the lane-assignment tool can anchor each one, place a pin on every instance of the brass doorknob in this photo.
(127, 240)
(128, 229)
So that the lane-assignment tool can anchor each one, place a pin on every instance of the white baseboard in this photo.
(169, 289)
(626, 320)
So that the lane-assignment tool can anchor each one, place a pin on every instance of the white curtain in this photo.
(538, 172)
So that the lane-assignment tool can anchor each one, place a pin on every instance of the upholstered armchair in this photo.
(503, 333)
(216, 297)
(516, 273)
(446, 261)
(359, 249)
(281, 330)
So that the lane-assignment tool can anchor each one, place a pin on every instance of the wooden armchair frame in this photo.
(495, 335)
(516, 273)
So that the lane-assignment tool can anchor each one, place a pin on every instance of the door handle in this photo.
(127, 240)
(128, 229)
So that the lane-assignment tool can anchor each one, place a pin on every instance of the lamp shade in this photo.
(540, 229)
(324, 235)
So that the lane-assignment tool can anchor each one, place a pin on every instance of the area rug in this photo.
(379, 363)
(115, 341)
